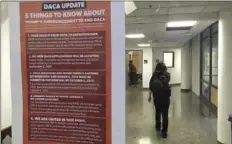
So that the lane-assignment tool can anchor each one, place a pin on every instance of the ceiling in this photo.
(150, 18)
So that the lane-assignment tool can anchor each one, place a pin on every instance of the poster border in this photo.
(117, 75)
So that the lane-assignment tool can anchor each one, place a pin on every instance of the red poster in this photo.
(66, 72)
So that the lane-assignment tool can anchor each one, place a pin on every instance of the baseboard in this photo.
(185, 90)
(175, 84)
(5, 132)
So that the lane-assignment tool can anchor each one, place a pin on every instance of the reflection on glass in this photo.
(206, 60)
(214, 96)
(206, 33)
(175, 108)
(215, 28)
(215, 60)
(204, 109)
(205, 90)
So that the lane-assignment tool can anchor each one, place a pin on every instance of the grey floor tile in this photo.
(187, 126)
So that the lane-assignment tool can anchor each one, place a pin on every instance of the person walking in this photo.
(132, 73)
(161, 91)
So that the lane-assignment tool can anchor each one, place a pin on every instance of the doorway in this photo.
(136, 57)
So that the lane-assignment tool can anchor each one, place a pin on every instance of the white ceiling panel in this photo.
(212, 8)
(131, 15)
(147, 12)
(138, 20)
(134, 30)
(157, 27)
(172, 17)
(167, 44)
(193, 16)
(135, 26)
(219, 2)
(215, 8)
(151, 4)
(179, 10)
(184, 4)
(148, 21)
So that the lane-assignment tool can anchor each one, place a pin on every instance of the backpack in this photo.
(159, 83)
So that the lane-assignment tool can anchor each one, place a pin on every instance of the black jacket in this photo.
(154, 75)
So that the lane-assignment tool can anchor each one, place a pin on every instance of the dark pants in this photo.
(162, 107)
(133, 78)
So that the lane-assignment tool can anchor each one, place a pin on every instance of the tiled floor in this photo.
(187, 126)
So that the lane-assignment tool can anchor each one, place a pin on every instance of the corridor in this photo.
(186, 125)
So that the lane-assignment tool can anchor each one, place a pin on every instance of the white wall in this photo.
(147, 68)
(6, 106)
(196, 65)
(176, 71)
(186, 67)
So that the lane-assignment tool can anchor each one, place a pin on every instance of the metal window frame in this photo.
(209, 104)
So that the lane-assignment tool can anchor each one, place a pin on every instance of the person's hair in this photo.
(161, 67)
(158, 67)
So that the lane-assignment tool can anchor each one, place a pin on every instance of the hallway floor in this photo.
(186, 125)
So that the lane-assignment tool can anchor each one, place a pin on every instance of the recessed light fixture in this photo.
(134, 36)
(144, 45)
(174, 24)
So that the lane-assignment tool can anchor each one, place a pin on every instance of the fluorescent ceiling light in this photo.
(144, 45)
(181, 23)
(131, 36)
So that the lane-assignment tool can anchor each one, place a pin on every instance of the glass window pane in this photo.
(206, 33)
(215, 60)
(205, 90)
(206, 60)
(215, 28)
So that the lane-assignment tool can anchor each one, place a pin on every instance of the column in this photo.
(6, 106)
(224, 76)
(186, 67)
(126, 69)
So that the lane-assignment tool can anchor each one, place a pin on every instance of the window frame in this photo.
(173, 58)
(209, 32)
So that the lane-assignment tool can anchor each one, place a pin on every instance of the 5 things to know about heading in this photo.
(64, 5)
